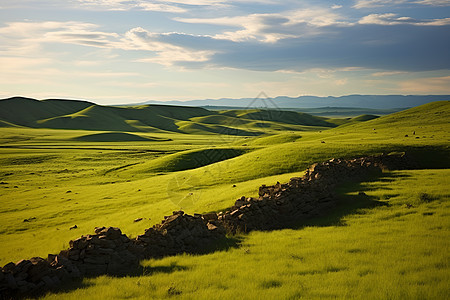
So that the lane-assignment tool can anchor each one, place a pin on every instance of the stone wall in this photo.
(108, 251)
(303, 197)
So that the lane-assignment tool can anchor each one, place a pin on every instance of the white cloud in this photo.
(392, 19)
(32, 35)
(160, 6)
(378, 3)
(388, 73)
(166, 53)
(63, 32)
(26, 39)
(434, 2)
(272, 27)
(170, 6)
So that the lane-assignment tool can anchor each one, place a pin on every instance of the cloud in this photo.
(434, 2)
(388, 73)
(166, 53)
(392, 19)
(294, 40)
(120, 5)
(161, 7)
(32, 35)
(272, 27)
(372, 46)
(27, 39)
(379, 3)
(433, 85)
(376, 3)
(170, 6)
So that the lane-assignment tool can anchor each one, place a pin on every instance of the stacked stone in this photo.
(106, 252)
(35, 276)
(310, 195)
(180, 233)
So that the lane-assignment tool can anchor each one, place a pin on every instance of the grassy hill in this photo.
(71, 114)
(26, 111)
(372, 247)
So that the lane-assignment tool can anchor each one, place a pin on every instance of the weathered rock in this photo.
(11, 282)
(111, 233)
(305, 196)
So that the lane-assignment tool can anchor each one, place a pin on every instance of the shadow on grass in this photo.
(221, 245)
(148, 270)
(349, 203)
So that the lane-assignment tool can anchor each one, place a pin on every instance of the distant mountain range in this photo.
(352, 101)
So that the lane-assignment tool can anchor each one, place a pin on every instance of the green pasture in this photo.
(373, 247)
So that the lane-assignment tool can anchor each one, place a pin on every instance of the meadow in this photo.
(392, 244)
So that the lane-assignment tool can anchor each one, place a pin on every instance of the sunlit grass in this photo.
(398, 250)
(384, 252)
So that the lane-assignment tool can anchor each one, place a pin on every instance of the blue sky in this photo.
(115, 51)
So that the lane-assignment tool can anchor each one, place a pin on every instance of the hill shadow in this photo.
(116, 137)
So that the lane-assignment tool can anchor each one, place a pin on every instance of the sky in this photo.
(129, 51)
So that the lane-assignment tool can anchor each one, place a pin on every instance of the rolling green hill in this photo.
(71, 114)
(26, 111)
(288, 117)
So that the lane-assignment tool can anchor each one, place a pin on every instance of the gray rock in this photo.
(12, 284)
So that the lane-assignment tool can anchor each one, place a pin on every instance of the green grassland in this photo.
(155, 160)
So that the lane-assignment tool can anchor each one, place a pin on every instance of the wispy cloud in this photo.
(121, 5)
(272, 27)
(169, 6)
(434, 85)
(376, 3)
(393, 19)
(166, 53)
(359, 4)
(388, 73)
(433, 2)
(32, 35)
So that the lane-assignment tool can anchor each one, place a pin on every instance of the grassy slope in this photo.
(61, 114)
(385, 252)
(289, 117)
(107, 187)
(26, 112)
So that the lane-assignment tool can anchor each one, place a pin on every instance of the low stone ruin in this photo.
(108, 251)
(179, 233)
(303, 197)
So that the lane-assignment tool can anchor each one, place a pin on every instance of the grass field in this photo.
(374, 248)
